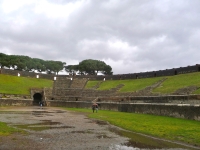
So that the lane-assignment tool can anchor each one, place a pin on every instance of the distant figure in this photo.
(41, 103)
(95, 107)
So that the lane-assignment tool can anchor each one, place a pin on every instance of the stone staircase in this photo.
(97, 85)
(186, 90)
(143, 92)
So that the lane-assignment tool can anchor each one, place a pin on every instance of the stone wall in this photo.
(14, 96)
(15, 102)
(27, 74)
(177, 111)
(149, 74)
(191, 112)
(169, 99)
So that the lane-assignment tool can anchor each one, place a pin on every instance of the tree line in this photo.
(90, 67)
(26, 63)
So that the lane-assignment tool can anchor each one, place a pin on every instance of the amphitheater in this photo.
(70, 91)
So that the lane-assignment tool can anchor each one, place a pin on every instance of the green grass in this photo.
(91, 84)
(170, 85)
(129, 85)
(187, 131)
(174, 83)
(6, 130)
(21, 85)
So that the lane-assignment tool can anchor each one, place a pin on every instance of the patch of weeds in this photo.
(7, 130)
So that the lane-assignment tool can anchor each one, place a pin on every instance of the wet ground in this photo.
(53, 128)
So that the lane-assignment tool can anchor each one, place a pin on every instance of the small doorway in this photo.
(37, 97)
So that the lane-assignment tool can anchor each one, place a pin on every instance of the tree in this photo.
(39, 64)
(71, 69)
(58, 66)
(54, 66)
(25, 63)
(107, 70)
(4, 60)
(90, 67)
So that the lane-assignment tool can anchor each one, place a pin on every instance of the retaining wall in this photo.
(191, 112)
(14, 102)
(177, 111)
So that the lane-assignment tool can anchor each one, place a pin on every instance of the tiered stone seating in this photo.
(68, 89)
(78, 83)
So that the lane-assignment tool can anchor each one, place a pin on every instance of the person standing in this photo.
(95, 107)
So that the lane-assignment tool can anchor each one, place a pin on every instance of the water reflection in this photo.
(143, 142)
(123, 147)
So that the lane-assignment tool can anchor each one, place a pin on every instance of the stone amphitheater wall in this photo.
(158, 73)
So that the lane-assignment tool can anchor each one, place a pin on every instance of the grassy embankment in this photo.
(21, 85)
(170, 85)
(187, 131)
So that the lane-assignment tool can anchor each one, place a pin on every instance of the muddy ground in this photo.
(52, 128)
(56, 129)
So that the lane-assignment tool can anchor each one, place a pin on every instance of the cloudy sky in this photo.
(129, 35)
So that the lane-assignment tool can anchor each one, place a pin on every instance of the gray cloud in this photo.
(130, 35)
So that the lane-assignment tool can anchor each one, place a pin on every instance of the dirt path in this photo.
(56, 129)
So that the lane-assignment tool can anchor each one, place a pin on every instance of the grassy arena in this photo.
(21, 85)
(170, 85)
(10, 84)
(187, 131)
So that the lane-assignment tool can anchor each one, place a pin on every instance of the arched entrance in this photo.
(37, 97)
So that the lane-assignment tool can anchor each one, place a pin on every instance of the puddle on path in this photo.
(140, 141)
(99, 122)
(103, 136)
(46, 113)
(44, 125)
(87, 131)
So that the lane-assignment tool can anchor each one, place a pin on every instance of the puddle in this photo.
(99, 122)
(137, 140)
(44, 125)
(49, 115)
(88, 131)
(103, 136)
(60, 111)
(13, 112)
(41, 113)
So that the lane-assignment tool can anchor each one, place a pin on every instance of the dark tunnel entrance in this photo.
(37, 97)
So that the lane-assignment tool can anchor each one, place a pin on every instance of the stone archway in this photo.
(37, 97)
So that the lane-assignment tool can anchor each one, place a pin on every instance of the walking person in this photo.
(95, 107)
